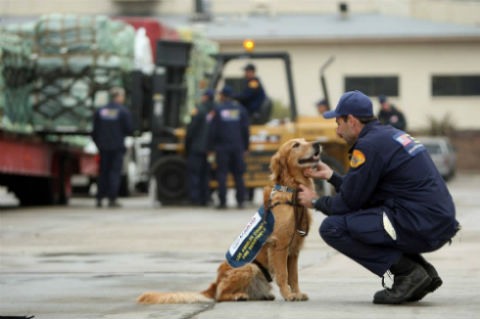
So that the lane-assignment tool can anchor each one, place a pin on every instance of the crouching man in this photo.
(390, 207)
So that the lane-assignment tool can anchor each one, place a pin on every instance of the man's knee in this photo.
(332, 228)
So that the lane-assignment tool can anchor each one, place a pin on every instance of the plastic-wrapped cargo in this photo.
(201, 64)
(76, 59)
(16, 79)
(68, 33)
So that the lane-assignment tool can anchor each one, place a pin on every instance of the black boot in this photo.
(112, 203)
(431, 271)
(410, 279)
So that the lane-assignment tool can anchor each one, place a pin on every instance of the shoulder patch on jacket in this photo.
(411, 145)
(357, 159)
(253, 84)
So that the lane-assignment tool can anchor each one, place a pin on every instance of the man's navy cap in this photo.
(353, 102)
(209, 92)
(322, 102)
(250, 67)
(227, 91)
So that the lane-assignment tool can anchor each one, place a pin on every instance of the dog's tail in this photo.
(178, 297)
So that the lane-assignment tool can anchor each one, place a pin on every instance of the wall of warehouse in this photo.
(413, 63)
(451, 11)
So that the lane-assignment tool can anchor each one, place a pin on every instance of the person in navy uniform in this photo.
(196, 147)
(389, 114)
(253, 94)
(390, 207)
(322, 106)
(111, 124)
(229, 140)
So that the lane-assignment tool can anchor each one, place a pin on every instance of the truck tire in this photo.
(171, 179)
(322, 187)
(34, 191)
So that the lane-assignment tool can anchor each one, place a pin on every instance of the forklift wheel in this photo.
(170, 175)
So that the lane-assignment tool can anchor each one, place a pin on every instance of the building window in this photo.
(373, 85)
(455, 85)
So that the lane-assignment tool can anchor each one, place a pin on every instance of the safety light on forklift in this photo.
(249, 45)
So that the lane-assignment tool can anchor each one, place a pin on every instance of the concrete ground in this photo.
(83, 262)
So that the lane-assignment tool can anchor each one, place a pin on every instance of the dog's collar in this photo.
(283, 188)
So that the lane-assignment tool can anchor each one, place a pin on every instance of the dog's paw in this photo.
(297, 296)
(241, 297)
(269, 297)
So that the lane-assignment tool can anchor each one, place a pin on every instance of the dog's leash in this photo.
(301, 218)
(301, 221)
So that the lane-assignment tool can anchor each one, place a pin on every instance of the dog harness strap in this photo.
(288, 202)
(263, 270)
(301, 218)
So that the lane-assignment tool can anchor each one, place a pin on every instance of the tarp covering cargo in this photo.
(74, 60)
(16, 77)
(201, 63)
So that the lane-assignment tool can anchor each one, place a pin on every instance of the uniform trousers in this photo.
(110, 173)
(362, 237)
(198, 178)
(230, 160)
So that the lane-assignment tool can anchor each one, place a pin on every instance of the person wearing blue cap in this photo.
(196, 148)
(253, 94)
(322, 106)
(389, 208)
(389, 114)
(229, 136)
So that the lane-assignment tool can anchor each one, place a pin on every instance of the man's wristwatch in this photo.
(314, 201)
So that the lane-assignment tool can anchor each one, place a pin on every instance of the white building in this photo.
(427, 68)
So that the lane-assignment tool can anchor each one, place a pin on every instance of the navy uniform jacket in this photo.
(229, 128)
(111, 124)
(197, 130)
(252, 95)
(393, 117)
(391, 169)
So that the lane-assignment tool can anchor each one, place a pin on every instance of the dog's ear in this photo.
(277, 165)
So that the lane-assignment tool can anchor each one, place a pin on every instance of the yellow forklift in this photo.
(167, 158)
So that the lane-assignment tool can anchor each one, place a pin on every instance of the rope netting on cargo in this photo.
(64, 71)
(16, 78)
(200, 66)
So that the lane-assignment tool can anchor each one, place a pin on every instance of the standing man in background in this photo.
(196, 147)
(389, 114)
(229, 140)
(111, 124)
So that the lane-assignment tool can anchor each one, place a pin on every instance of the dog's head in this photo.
(292, 158)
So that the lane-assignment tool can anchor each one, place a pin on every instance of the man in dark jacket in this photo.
(229, 140)
(111, 124)
(196, 147)
(391, 206)
(389, 114)
(253, 94)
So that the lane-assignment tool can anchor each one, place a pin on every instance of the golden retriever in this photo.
(279, 255)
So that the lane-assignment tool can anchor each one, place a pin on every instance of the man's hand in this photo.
(321, 171)
(306, 195)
